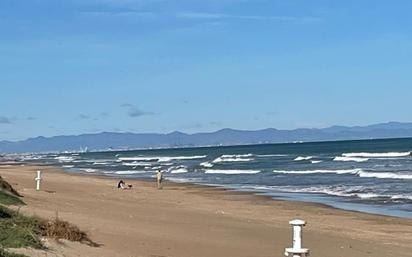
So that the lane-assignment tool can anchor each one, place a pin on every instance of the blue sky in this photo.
(85, 66)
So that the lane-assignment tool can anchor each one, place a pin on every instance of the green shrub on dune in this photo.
(21, 231)
(17, 230)
(9, 199)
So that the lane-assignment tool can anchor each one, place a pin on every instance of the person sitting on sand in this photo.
(121, 185)
(159, 177)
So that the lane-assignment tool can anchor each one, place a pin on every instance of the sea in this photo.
(373, 176)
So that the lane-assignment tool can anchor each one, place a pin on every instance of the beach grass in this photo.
(9, 199)
(21, 231)
(18, 231)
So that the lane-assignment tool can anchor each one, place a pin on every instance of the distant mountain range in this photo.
(123, 141)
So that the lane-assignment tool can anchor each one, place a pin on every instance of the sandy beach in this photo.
(184, 220)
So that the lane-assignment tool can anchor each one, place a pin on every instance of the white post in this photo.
(38, 179)
(297, 250)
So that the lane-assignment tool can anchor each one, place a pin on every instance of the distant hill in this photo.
(109, 140)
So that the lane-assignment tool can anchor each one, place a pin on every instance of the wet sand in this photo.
(185, 220)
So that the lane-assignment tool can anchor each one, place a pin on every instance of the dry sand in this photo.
(189, 221)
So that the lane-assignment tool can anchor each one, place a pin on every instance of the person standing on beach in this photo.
(159, 177)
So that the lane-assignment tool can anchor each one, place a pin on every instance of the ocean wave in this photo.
(359, 172)
(339, 191)
(303, 158)
(137, 158)
(343, 191)
(179, 171)
(315, 162)
(237, 155)
(136, 163)
(161, 158)
(168, 159)
(206, 164)
(232, 172)
(378, 155)
(384, 175)
(131, 172)
(68, 166)
(227, 158)
(88, 170)
(350, 159)
(271, 155)
(401, 197)
(303, 172)
(64, 158)
(101, 163)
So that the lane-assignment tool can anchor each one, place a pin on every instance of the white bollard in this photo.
(297, 250)
(38, 179)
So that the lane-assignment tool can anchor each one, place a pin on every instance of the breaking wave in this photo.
(378, 155)
(237, 155)
(303, 158)
(65, 158)
(136, 163)
(315, 162)
(130, 172)
(348, 171)
(343, 191)
(359, 172)
(350, 159)
(206, 164)
(232, 172)
(385, 175)
(161, 158)
(232, 158)
(178, 171)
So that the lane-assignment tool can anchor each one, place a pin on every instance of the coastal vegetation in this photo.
(21, 231)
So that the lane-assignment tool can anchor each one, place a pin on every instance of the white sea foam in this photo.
(401, 197)
(130, 172)
(89, 170)
(161, 158)
(136, 163)
(271, 155)
(64, 158)
(303, 158)
(101, 163)
(68, 166)
(138, 158)
(359, 172)
(348, 171)
(206, 164)
(315, 162)
(336, 191)
(237, 155)
(168, 159)
(179, 170)
(232, 172)
(378, 155)
(384, 175)
(231, 158)
(350, 159)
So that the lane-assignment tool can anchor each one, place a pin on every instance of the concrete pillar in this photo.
(297, 250)
(38, 179)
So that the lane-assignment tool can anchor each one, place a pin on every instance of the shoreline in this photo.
(324, 199)
(232, 215)
(360, 207)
